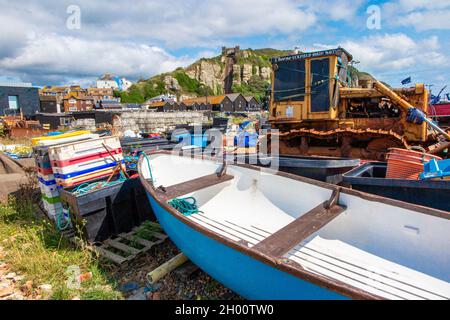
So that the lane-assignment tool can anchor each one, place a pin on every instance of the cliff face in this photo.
(245, 71)
(209, 73)
(233, 68)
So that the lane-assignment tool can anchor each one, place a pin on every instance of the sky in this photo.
(52, 42)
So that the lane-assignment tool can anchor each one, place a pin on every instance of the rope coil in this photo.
(88, 187)
(186, 206)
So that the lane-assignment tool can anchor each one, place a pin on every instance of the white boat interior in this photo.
(383, 249)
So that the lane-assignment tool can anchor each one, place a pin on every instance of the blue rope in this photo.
(88, 187)
(149, 167)
(186, 206)
(63, 220)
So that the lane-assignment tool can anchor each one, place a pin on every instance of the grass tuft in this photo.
(34, 248)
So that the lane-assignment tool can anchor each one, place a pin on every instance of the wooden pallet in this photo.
(119, 252)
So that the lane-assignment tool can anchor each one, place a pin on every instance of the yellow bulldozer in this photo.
(320, 108)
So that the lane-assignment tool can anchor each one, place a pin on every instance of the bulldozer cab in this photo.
(320, 107)
(306, 86)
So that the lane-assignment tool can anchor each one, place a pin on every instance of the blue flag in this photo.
(406, 81)
(435, 99)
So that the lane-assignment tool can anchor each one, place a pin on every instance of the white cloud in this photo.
(175, 24)
(346, 10)
(427, 20)
(420, 14)
(127, 39)
(54, 55)
(392, 52)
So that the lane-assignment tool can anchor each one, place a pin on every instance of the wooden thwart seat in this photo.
(284, 240)
(187, 187)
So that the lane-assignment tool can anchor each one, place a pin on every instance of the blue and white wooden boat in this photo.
(272, 235)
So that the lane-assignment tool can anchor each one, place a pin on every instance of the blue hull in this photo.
(241, 273)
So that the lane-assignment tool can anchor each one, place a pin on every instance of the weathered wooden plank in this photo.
(291, 235)
(110, 255)
(193, 185)
(160, 236)
(121, 246)
(143, 242)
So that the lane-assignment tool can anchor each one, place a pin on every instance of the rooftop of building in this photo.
(16, 84)
(209, 100)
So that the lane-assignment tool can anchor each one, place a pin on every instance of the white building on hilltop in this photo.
(109, 81)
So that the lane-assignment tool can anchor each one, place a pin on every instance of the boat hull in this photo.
(243, 274)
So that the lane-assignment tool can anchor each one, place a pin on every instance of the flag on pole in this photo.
(435, 99)
(406, 81)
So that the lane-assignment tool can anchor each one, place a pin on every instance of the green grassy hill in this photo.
(155, 86)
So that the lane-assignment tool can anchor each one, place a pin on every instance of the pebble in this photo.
(6, 292)
(10, 276)
(227, 296)
(138, 295)
(27, 288)
(156, 296)
(85, 276)
(190, 296)
(46, 288)
(18, 278)
(16, 296)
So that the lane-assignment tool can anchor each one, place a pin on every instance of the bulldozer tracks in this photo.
(359, 133)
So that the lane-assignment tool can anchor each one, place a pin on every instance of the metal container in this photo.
(371, 178)
(136, 145)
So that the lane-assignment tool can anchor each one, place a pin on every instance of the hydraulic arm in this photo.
(415, 115)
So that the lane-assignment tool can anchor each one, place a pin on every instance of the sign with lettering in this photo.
(316, 54)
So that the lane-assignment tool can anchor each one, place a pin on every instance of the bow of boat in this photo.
(268, 235)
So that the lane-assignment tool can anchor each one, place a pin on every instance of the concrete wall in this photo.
(148, 121)
(28, 99)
